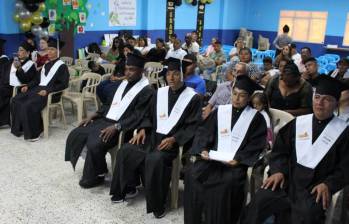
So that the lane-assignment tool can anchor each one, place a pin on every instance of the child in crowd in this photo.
(260, 103)
(268, 71)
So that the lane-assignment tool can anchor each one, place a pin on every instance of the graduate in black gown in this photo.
(26, 107)
(3, 58)
(308, 164)
(99, 132)
(16, 73)
(172, 121)
(229, 141)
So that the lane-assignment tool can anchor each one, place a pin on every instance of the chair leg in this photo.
(45, 120)
(175, 182)
(79, 108)
(63, 116)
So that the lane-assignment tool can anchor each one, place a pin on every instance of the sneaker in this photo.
(91, 183)
(116, 199)
(33, 139)
(131, 194)
(159, 215)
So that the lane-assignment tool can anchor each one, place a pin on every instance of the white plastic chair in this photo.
(152, 73)
(88, 93)
(176, 169)
(109, 68)
(279, 118)
(67, 60)
(45, 113)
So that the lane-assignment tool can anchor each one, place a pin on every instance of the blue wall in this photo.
(262, 17)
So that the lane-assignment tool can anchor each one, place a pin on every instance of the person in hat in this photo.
(229, 141)
(308, 164)
(99, 132)
(342, 70)
(3, 58)
(189, 64)
(18, 73)
(26, 107)
(173, 118)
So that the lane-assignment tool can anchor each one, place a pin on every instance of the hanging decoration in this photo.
(170, 18)
(65, 13)
(28, 13)
(200, 21)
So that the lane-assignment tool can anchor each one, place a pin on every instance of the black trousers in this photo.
(302, 209)
(158, 170)
(129, 169)
(215, 191)
(26, 113)
(95, 162)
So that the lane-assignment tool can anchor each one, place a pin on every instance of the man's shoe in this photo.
(131, 194)
(33, 139)
(159, 215)
(116, 199)
(91, 183)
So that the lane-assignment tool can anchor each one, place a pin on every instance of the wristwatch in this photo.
(117, 126)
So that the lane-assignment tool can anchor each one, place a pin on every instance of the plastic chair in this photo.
(153, 70)
(332, 57)
(330, 67)
(322, 70)
(109, 68)
(176, 169)
(113, 151)
(279, 119)
(45, 113)
(88, 93)
(67, 60)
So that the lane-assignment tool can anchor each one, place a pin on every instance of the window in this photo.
(305, 26)
(346, 34)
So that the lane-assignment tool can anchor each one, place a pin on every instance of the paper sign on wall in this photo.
(122, 12)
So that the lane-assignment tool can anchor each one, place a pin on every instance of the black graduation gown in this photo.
(294, 204)
(26, 107)
(132, 159)
(95, 162)
(213, 188)
(6, 89)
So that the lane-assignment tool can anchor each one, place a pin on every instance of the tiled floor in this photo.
(37, 186)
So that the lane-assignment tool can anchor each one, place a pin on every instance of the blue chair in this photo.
(332, 57)
(330, 67)
(260, 55)
(270, 53)
(322, 70)
(322, 61)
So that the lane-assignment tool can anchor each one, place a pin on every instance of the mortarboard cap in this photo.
(173, 64)
(245, 83)
(135, 60)
(52, 42)
(28, 47)
(326, 85)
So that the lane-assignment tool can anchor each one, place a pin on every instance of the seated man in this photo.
(229, 141)
(308, 164)
(95, 68)
(172, 121)
(311, 71)
(190, 46)
(100, 131)
(17, 73)
(176, 51)
(191, 79)
(217, 57)
(26, 107)
(222, 95)
(342, 70)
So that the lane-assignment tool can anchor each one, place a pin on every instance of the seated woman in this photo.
(42, 55)
(210, 47)
(158, 53)
(284, 54)
(289, 92)
(115, 52)
(15, 74)
(143, 45)
(234, 52)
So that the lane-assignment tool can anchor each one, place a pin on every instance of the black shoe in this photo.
(91, 183)
(159, 215)
(117, 199)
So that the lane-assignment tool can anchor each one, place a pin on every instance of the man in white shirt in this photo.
(177, 51)
(296, 57)
(190, 47)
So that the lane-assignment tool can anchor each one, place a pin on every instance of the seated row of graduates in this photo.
(223, 146)
(32, 87)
